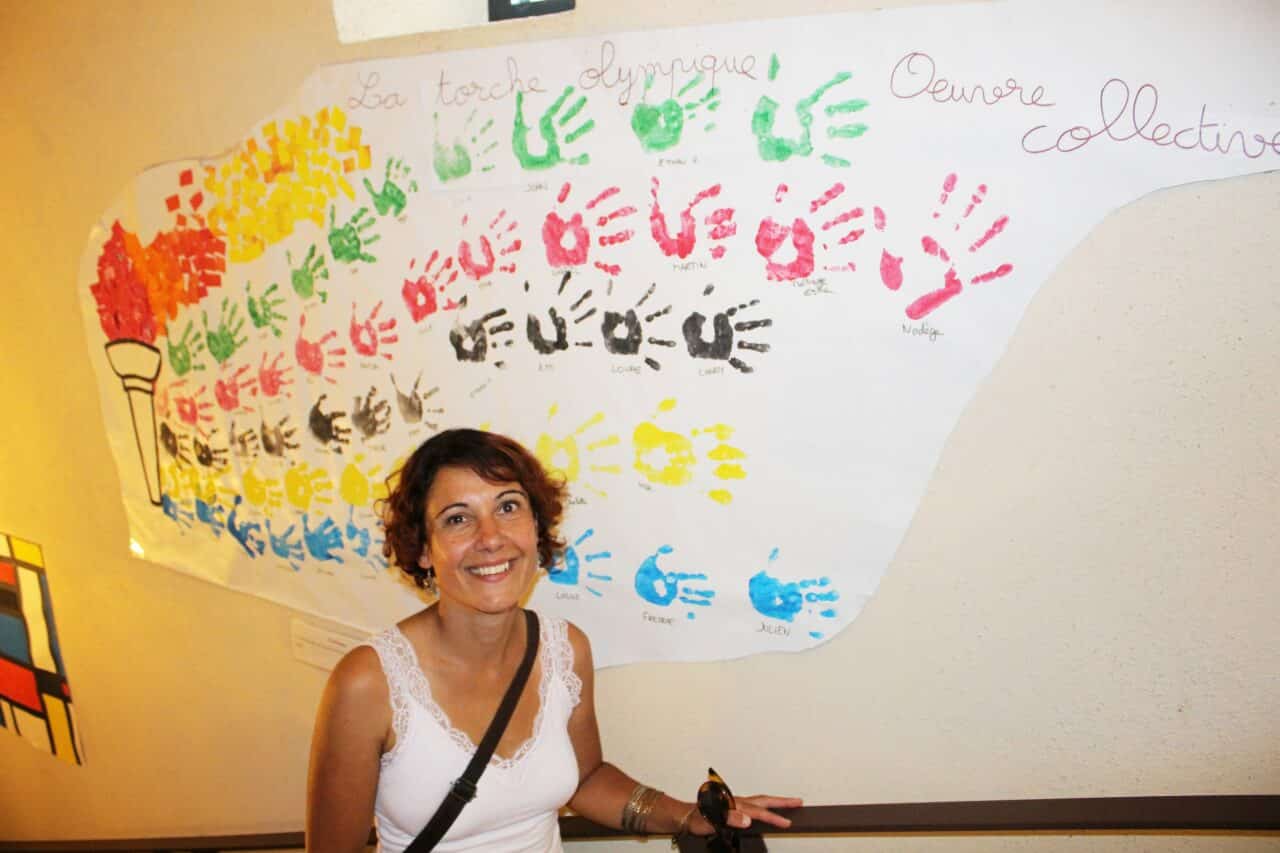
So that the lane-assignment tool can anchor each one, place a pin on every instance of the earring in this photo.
(429, 580)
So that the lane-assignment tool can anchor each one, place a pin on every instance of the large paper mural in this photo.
(736, 283)
(35, 699)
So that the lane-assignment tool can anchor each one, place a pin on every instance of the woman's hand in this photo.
(758, 807)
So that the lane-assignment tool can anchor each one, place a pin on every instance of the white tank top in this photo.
(515, 809)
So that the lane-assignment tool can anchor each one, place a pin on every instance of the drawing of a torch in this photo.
(124, 311)
(138, 365)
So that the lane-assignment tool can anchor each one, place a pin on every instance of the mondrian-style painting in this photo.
(35, 700)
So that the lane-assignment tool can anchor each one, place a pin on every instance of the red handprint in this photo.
(371, 334)
(568, 241)
(420, 293)
(227, 389)
(272, 378)
(720, 221)
(478, 268)
(953, 283)
(192, 408)
(312, 355)
(770, 236)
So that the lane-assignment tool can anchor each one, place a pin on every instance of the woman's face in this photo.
(482, 540)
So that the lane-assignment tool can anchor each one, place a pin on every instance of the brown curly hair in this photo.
(492, 456)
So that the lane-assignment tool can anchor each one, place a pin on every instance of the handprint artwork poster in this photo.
(735, 284)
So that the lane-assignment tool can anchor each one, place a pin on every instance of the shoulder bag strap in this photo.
(464, 787)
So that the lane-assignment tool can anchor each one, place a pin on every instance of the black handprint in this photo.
(722, 345)
(369, 417)
(279, 438)
(412, 404)
(245, 443)
(207, 454)
(624, 332)
(325, 426)
(559, 323)
(471, 342)
(174, 444)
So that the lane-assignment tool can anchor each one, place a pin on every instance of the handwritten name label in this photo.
(533, 188)
(776, 630)
(626, 368)
(1126, 116)
(371, 99)
(608, 76)
(686, 266)
(916, 74)
(577, 501)
(657, 620)
(455, 95)
(567, 596)
(710, 371)
(544, 366)
(924, 329)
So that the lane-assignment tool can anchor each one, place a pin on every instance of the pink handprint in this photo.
(420, 293)
(953, 282)
(272, 378)
(227, 389)
(720, 222)
(371, 334)
(192, 408)
(312, 355)
(770, 235)
(842, 228)
(479, 268)
(568, 241)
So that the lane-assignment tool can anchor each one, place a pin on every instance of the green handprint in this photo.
(547, 130)
(304, 277)
(222, 340)
(348, 242)
(453, 162)
(182, 355)
(391, 198)
(659, 128)
(779, 148)
(262, 309)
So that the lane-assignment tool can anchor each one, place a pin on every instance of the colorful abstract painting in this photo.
(35, 699)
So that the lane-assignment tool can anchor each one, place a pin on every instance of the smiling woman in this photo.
(471, 518)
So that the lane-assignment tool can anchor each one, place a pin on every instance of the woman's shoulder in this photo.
(360, 671)
(570, 642)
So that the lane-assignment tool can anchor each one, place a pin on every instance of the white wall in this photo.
(1085, 604)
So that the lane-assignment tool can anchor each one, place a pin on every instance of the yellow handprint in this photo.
(262, 492)
(304, 484)
(564, 456)
(668, 458)
(358, 487)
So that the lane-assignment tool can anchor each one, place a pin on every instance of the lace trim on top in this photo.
(403, 673)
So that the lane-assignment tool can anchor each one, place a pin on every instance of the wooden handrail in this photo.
(1224, 813)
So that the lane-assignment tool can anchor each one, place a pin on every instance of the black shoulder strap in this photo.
(464, 787)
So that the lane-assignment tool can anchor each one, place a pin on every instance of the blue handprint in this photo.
(175, 511)
(210, 514)
(247, 533)
(658, 587)
(784, 600)
(569, 571)
(361, 539)
(323, 541)
(285, 546)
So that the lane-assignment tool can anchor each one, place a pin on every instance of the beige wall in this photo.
(1086, 602)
